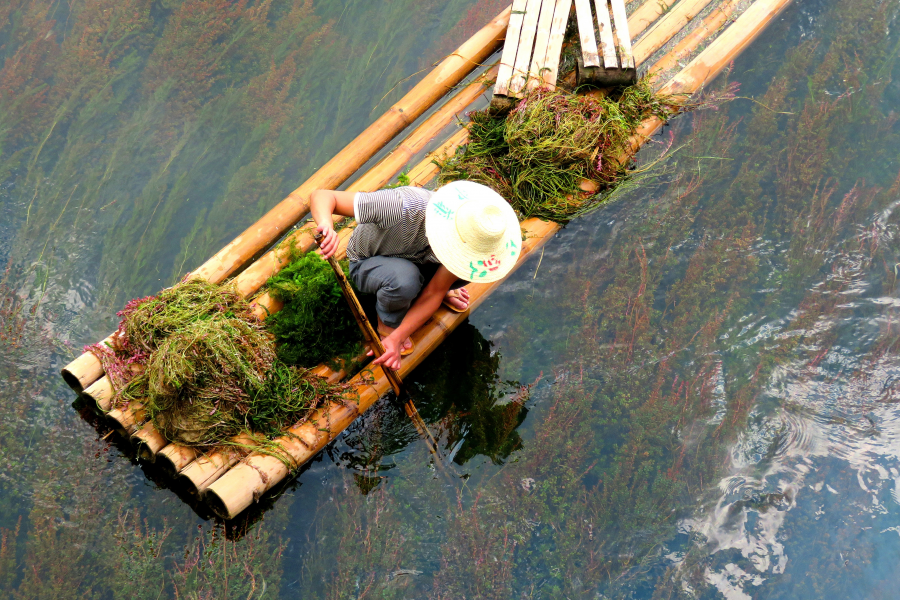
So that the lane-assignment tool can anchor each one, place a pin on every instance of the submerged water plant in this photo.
(555, 153)
(205, 368)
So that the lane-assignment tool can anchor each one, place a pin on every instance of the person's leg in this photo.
(396, 282)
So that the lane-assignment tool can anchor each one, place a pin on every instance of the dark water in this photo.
(713, 357)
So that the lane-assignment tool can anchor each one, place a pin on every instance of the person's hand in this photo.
(391, 357)
(329, 244)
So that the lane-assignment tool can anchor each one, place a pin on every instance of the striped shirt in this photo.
(391, 223)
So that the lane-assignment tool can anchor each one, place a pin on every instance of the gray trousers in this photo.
(396, 283)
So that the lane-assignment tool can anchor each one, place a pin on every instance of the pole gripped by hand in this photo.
(378, 348)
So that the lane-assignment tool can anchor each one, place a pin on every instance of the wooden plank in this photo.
(554, 49)
(541, 41)
(623, 37)
(607, 43)
(510, 46)
(586, 35)
(667, 27)
(526, 44)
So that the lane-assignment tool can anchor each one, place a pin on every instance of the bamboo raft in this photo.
(228, 482)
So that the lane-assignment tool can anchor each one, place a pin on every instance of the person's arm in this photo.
(421, 310)
(323, 204)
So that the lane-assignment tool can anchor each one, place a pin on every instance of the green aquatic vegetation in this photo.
(205, 368)
(556, 153)
(315, 325)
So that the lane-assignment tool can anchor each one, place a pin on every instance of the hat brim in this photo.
(456, 255)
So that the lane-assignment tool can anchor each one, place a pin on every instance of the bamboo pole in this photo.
(101, 392)
(711, 23)
(666, 27)
(86, 369)
(246, 482)
(128, 419)
(149, 441)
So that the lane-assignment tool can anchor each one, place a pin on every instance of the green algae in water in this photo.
(538, 156)
(206, 369)
(315, 325)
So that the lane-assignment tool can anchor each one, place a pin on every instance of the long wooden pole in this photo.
(372, 337)
(86, 369)
(238, 488)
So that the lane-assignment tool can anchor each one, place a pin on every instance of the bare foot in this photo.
(383, 330)
(458, 299)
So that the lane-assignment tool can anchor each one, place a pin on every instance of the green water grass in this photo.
(206, 369)
(540, 155)
(315, 325)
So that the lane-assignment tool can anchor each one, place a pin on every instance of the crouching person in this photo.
(416, 249)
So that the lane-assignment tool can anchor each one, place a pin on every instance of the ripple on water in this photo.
(829, 452)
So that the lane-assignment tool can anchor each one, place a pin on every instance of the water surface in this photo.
(712, 357)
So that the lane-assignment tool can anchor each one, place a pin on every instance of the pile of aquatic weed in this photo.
(315, 325)
(540, 155)
(205, 369)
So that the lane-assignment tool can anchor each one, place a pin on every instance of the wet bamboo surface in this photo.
(239, 487)
(231, 490)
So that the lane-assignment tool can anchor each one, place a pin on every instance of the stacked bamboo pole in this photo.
(86, 369)
(240, 486)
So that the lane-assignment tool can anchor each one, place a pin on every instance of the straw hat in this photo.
(473, 231)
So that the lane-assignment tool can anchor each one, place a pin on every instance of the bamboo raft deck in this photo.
(229, 482)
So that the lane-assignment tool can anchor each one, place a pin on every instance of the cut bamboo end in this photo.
(101, 391)
(175, 457)
(200, 474)
(149, 441)
(128, 419)
(83, 371)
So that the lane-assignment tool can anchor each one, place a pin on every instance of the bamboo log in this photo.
(665, 28)
(86, 369)
(148, 441)
(246, 482)
(128, 419)
(101, 391)
(711, 23)
(176, 457)
(645, 15)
